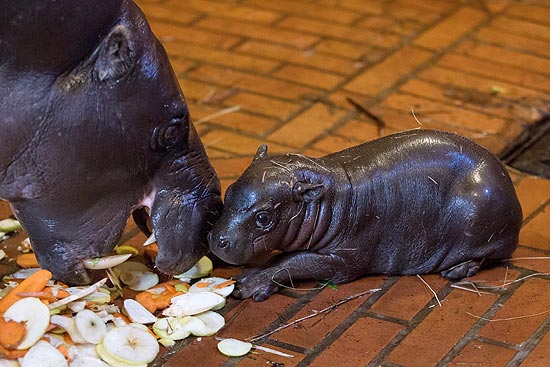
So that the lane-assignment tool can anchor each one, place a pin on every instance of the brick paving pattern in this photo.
(292, 68)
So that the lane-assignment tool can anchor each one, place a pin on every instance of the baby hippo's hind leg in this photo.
(260, 284)
(463, 270)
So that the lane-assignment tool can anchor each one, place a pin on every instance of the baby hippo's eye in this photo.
(263, 219)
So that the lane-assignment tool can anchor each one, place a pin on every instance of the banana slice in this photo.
(193, 303)
(130, 345)
(90, 326)
(34, 314)
(234, 347)
(44, 355)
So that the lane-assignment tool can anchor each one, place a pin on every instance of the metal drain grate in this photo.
(530, 153)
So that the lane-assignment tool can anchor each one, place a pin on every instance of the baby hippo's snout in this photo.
(225, 246)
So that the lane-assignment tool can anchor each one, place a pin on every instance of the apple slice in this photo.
(193, 303)
(139, 280)
(137, 313)
(213, 321)
(170, 328)
(34, 314)
(234, 348)
(131, 345)
(221, 286)
(106, 262)
(90, 326)
(69, 324)
(9, 225)
(43, 354)
(202, 268)
(111, 360)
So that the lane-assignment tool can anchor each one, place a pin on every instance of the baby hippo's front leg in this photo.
(262, 283)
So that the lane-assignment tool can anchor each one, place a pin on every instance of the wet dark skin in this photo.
(416, 202)
(94, 127)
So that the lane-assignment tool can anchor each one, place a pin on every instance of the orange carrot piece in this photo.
(12, 354)
(34, 283)
(202, 285)
(27, 260)
(11, 333)
(67, 339)
(63, 349)
(152, 251)
(146, 300)
(225, 284)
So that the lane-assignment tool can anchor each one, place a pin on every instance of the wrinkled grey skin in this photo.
(94, 126)
(415, 202)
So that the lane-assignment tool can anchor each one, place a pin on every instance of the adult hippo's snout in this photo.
(186, 205)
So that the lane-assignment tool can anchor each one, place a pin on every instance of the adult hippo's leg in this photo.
(262, 283)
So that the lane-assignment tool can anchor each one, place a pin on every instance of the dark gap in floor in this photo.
(530, 152)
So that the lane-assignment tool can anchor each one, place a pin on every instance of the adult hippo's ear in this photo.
(308, 192)
(115, 58)
(261, 153)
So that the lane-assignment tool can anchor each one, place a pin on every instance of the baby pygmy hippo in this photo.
(415, 202)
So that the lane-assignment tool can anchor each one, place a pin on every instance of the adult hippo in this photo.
(415, 202)
(94, 126)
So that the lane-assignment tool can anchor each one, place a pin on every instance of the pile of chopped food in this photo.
(47, 323)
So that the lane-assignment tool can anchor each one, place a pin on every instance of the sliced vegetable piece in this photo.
(34, 314)
(234, 347)
(27, 261)
(34, 283)
(9, 225)
(126, 249)
(193, 303)
(78, 294)
(88, 362)
(11, 333)
(90, 326)
(99, 263)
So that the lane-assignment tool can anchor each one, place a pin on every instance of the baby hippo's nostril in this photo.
(224, 242)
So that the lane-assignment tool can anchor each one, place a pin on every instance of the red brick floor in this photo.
(290, 67)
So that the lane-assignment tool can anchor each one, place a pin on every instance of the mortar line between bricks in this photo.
(535, 212)
(415, 321)
(358, 313)
(530, 344)
(472, 333)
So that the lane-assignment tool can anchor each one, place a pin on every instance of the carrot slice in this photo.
(34, 283)
(65, 351)
(11, 333)
(225, 284)
(12, 354)
(27, 261)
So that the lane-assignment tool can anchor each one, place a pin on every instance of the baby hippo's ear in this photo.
(261, 152)
(308, 192)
